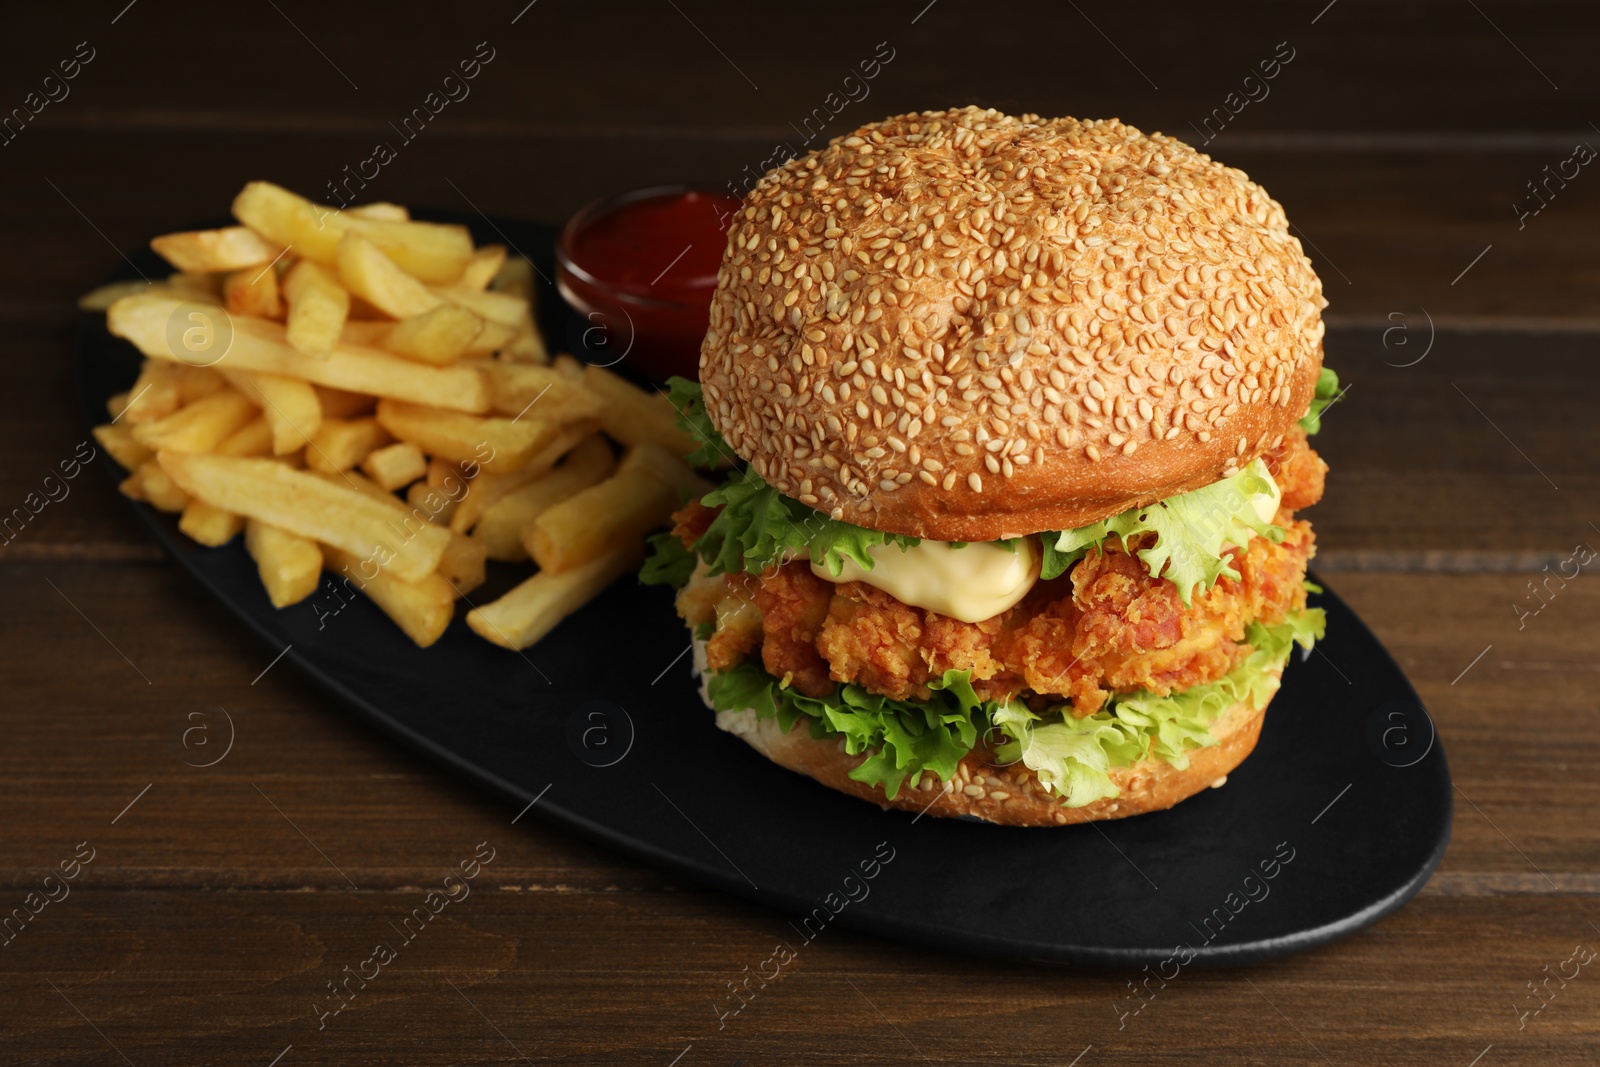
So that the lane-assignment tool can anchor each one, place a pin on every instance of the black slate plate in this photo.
(1337, 819)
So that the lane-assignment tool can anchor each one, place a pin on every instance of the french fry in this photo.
(290, 565)
(318, 308)
(154, 394)
(375, 278)
(527, 347)
(463, 561)
(366, 333)
(200, 251)
(431, 253)
(209, 526)
(368, 488)
(422, 608)
(643, 493)
(442, 472)
(380, 209)
(516, 277)
(486, 488)
(295, 400)
(491, 338)
(515, 388)
(483, 268)
(102, 297)
(427, 251)
(491, 305)
(500, 446)
(132, 486)
(502, 523)
(205, 288)
(373, 491)
(118, 441)
(197, 382)
(340, 444)
(259, 345)
(200, 426)
(433, 501)
(395, 466)
(439, 336)
(289, 405)
(340, 404)
(667, 466)
(313, 507)
(355, 479)
(361, 311)
(253, 291)
(464, 564)
(281, 216)
(441, 492)
(530, 611)
(632, 415)
(157, 488)
(254, 438)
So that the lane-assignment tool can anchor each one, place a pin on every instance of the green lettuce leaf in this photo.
(905, 738)
(1327, 394)
(1053, 562)
(1071, 756)
(1191, 529)
(669, 563)
(759, 526)
(693, 420)
(756, 526)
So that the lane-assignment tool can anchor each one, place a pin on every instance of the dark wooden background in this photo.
(1400, 138)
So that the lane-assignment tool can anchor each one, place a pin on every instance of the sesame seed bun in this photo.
(1010, 795)
(965, 326)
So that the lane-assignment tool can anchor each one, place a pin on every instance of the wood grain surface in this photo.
(222, 903)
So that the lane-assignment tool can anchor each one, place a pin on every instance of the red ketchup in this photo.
(641, 268)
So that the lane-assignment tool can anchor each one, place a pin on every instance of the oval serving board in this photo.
(1338, 818)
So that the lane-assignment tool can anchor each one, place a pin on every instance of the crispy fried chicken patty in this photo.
(1106, 626)
(1297, 470)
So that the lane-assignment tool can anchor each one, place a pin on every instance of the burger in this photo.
(1012, 416)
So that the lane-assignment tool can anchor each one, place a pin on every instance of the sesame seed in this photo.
(1007, 282)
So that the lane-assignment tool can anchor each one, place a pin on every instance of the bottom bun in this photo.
(1010, 795)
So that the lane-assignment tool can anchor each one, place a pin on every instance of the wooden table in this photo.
(220, 902)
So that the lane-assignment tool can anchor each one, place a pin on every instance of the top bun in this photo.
(965, 326)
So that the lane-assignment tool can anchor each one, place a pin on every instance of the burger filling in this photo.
(1072, 651)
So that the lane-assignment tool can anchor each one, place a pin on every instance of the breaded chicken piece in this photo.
(690, 522)
(890, 647)
(1107, 626)
(793, 604)
(1298, 471)
(726, 602)
(1135, 633)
